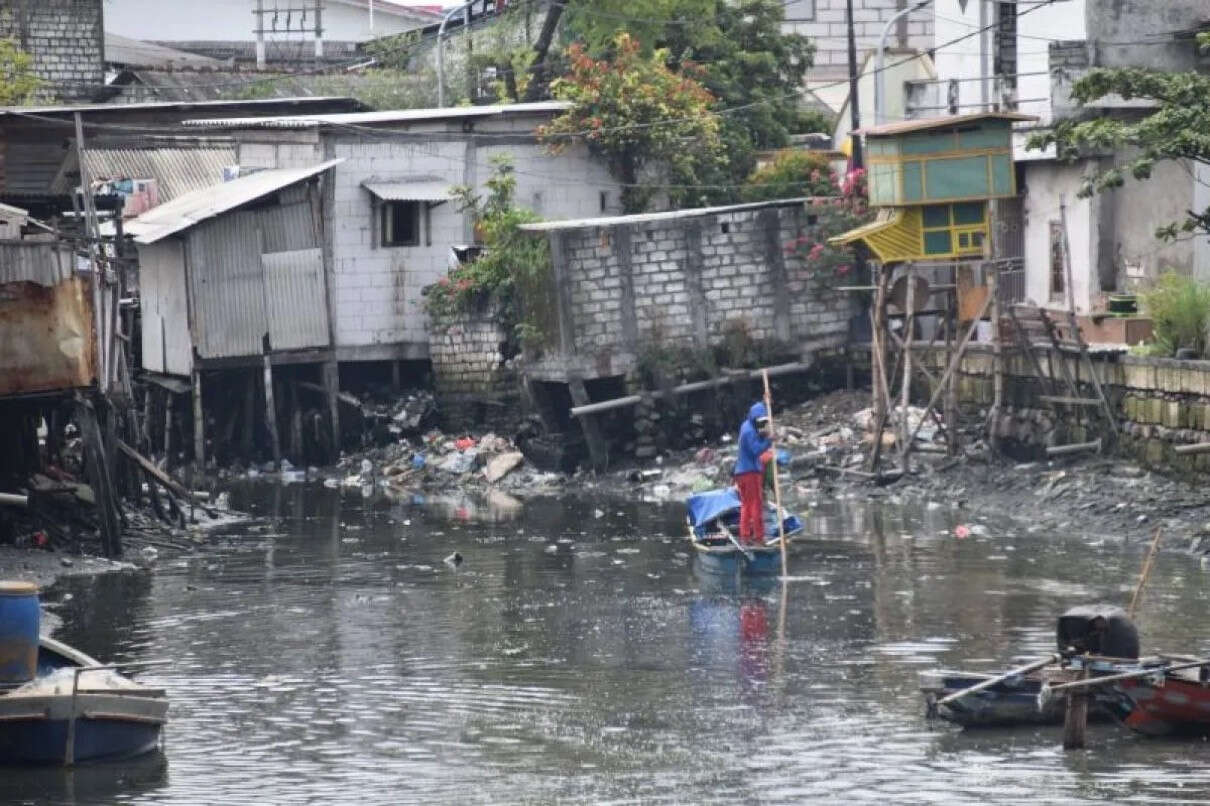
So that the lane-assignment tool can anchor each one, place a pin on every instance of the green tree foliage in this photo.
(18, 84)
(509, 255)
(747, 62)
(643, 118)
(1179, 307)
(790, 174)
(1177, 127)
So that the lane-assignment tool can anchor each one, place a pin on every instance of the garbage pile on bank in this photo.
(436, 460)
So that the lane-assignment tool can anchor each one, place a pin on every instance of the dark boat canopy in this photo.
(1100, 630)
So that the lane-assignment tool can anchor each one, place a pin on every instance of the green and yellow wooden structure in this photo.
(931, 181)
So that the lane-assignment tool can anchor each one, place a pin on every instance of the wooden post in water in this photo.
(1075, 721)
(781, 521)
(271, 407)
(199, 422)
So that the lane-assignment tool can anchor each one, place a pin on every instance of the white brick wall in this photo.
(378, 298)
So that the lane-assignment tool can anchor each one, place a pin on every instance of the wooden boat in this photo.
(1017, 697)
(1163, 702)
(713, 520)
(77, 709)
(1010, 703)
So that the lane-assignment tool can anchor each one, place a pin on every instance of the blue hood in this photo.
(757, 411)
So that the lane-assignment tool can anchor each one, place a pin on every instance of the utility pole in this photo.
(854, 102)
(260, 34)
(295, 22)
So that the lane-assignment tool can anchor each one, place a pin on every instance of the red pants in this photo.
(751, 507)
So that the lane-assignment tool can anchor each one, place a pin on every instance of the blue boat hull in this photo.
(1010, 703)
(763, 562)
(112, 720)
(44, 741)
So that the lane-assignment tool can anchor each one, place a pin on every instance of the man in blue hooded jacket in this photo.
(755, 442)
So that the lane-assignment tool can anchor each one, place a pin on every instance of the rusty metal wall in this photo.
(229, 287)
(44, 262)
(47, 336)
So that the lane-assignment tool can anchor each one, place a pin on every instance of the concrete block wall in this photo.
(683, 281)
(467, 357)
(473, 384)
(67, 41)
(1159, 403)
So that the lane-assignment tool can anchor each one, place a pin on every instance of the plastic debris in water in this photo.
(961, 531)
(454, 560)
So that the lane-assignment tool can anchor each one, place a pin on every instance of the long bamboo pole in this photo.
(1145, 573)
(991, 681)
(781, 522)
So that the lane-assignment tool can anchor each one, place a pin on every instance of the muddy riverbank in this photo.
(1091, 496)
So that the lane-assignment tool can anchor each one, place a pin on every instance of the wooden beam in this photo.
(1069, 401)
(163, 478)
(199, 422)
(1075, 447)
(271, 410)
(1194, 447)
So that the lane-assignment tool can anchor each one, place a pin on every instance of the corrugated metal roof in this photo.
(137, 53)
(199, 205)
(413, 188)
(384, 116)
(43, 262)
(139, 84)
(924, 124)
(151, 105)
(177, 171)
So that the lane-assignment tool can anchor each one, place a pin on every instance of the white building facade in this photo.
(235, 20)
(391, 227)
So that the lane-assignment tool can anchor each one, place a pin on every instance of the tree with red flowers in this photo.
(834, 215)
(651, 124)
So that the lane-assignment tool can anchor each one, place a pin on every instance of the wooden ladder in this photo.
(1064, 339)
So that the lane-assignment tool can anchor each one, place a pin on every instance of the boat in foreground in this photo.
(77, 709)
(1009, 703)
(1098, 637)
(713, 519)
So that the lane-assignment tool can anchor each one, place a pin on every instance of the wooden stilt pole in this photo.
(271, 410)
(951, 386)
(781, 518)
(993, 415)
(878, 362)
(1075, 720)
(167, 429)
(905, 392)
(199, 422)
(331, 373)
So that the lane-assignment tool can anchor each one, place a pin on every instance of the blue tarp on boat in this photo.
(706, 508)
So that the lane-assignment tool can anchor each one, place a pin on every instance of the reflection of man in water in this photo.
(753, 640)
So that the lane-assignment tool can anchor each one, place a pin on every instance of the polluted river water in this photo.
(329, 654)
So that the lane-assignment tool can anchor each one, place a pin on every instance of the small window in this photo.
(401, 223)
(936, 215)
